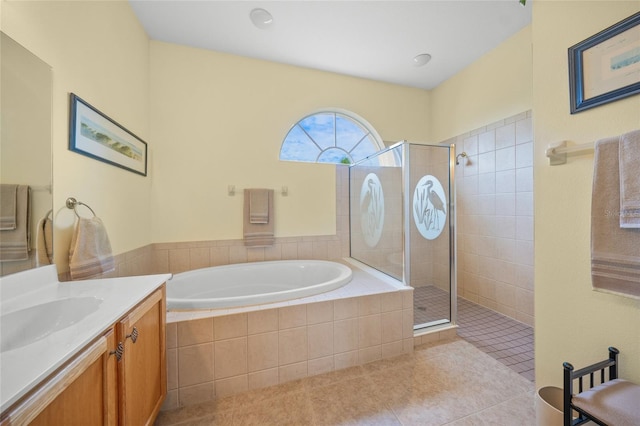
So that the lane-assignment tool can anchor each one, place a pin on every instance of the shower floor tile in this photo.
(438, 384)
(504, 339)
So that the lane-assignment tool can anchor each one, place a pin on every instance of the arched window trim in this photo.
(369, 130)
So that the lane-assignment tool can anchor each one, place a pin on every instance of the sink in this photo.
(25, 326)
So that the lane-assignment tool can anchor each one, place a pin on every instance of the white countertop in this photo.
(23, 368)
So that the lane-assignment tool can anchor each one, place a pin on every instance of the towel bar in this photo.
(72, 203)
(557, 152)
(231, 190)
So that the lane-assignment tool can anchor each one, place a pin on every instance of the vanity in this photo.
(82, 352)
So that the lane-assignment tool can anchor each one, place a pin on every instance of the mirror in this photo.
(25, 157)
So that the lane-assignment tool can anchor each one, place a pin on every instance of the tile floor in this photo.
(503, 338)
(444, 383)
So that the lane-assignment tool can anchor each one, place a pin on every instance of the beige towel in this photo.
(259, 205)
(44, 241)
(90, 252)
(630, 180)
(8, 203)
(615, 251)
(15, 244)
(258, 234)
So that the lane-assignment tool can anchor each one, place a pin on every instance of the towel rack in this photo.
(41, 188)
(72, 203)
(231, 190)
(557, 152)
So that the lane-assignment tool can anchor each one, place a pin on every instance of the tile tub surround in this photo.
(448, 382)
(217, 353)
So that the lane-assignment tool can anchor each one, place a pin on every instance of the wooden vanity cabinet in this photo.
(142, 381)
(76, 395)
(95, 388)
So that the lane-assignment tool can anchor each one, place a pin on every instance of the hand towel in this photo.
(629, 156)
(259, 206)
(90, 253)
(8, 203)
(615, 251)
(44, 241)
(258, 234)
(16, 243)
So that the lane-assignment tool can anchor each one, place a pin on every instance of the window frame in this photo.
(370, 133)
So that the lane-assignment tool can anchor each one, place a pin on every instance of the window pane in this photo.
(321, 128)
(334, 155)
(298, 147)
(364, 149)
(348, 133)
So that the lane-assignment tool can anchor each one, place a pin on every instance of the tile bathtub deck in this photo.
(444, 383)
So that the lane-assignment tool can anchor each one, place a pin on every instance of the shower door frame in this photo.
(406, 223)
(406, 231)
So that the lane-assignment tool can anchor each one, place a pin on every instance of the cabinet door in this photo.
(76, 395)
(141, 370)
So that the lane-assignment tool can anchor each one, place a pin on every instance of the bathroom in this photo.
(163, 93)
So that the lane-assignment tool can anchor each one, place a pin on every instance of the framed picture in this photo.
(95, 135)
(605, 67)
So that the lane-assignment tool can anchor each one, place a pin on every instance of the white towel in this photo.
(90, 253)
(615, 251)
(630, 180)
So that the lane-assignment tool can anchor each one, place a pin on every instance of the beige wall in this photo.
(496, 86)
(573, 322)
(219, 120)
(108, 66)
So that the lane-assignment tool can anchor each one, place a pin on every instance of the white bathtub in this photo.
(254, 283)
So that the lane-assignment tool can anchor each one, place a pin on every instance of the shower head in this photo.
(462, 154)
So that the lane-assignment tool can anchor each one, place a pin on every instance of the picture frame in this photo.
(95, 135)
(606, 66)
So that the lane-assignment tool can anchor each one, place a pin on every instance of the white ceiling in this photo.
(368, 39)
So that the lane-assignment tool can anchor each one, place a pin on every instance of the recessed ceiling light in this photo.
(261, 18)
(421, 59)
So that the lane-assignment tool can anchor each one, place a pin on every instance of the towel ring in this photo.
(72, 203)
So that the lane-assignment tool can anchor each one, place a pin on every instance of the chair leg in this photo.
(567, 393)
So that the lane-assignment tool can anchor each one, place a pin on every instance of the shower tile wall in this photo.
(495, 216)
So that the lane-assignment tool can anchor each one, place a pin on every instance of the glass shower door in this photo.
(430, 227)
(402, 223)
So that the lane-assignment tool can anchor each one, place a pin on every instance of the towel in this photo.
(8, 203)
(16, 243)
(258, 234)
(259, 206)
(44, 241)
(90, 252)
(630, 180)
(615, 251)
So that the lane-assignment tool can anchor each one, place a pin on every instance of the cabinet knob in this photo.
(118, 352)
(133, 335)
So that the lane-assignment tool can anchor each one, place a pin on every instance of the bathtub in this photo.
(254, 283)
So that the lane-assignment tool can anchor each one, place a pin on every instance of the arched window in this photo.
(330, 136)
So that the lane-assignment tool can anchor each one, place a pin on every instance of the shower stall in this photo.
(402, 216)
